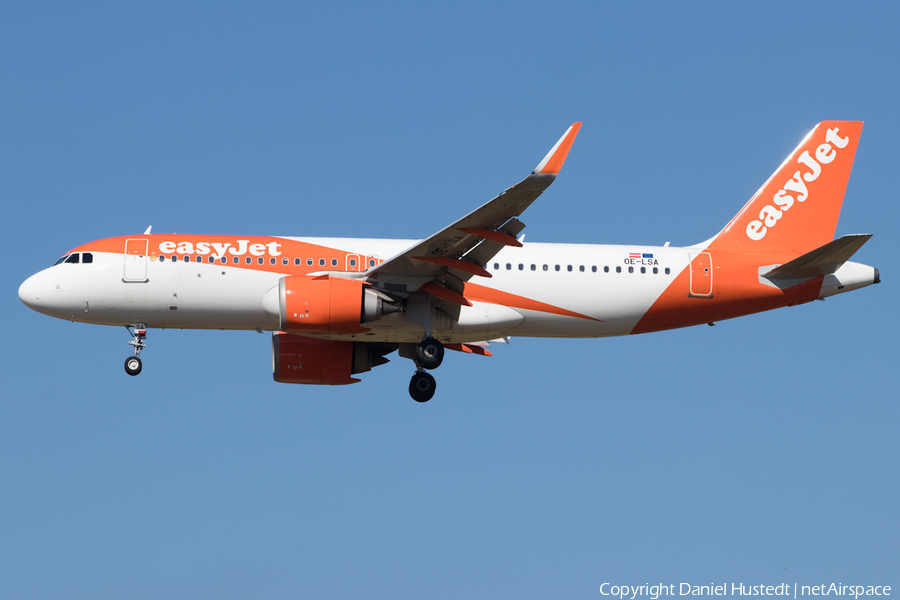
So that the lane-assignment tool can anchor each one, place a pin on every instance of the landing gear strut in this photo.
(133, 364)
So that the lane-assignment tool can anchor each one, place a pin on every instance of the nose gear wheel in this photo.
(133, 364)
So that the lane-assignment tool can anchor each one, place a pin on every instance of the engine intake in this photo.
(324, 305)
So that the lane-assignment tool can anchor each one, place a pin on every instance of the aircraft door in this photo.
(355, 263)
(136, 260)
(701, 275)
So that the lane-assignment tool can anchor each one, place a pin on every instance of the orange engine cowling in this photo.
(297, 359)
(324, 305)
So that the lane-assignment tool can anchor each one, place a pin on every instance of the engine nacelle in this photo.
(297, 359)
(324, 305)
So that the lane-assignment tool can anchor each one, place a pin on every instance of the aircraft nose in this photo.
(30, 293)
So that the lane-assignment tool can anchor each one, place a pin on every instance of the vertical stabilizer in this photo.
(797, 209)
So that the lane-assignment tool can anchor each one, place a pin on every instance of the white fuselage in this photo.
(199, 295)
(539, 290)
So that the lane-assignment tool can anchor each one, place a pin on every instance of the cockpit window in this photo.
(61, 260)
(87, 257)
(73, 258)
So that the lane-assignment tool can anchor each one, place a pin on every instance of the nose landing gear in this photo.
(133, 364)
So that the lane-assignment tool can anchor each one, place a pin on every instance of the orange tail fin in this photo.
(797, 209)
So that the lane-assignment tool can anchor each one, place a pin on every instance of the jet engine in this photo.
(324, 305)
(297, 359)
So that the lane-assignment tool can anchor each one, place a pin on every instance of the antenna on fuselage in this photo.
(148, 230)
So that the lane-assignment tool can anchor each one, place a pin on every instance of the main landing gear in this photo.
(133, 363)
(422, 386)
(428, 354)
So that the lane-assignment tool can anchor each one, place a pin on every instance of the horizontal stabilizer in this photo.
(824, 260)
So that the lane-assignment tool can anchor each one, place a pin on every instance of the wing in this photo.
(458, 252)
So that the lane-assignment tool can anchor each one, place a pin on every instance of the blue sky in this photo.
(762, 450)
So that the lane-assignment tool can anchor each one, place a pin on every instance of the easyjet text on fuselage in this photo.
(219, 249)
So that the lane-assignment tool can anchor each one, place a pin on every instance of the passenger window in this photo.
(224, 261)
(309, 262)
(272, 261)
(667, 270)
(631, 269)
(236, 260)
(508, 267)
(569, 268)
(496, 266)
(643, 269)
(162, 258)
(260, 260)
(333, 262)
(212, 259)
(87, 258)
(372, 263)
(618, 269)
(594, 269)
(581, 268)
(198, 259)
(248, 260)
(546, 267)
(557, 267)
(655, 270)
(297, 262)
(521, 267)
(352, 262)
(284, 261)
(534, 267)
(606, 269)
(187, 259)
(73, 259)
(321, 262)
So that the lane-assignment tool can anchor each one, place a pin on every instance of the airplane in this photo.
(337, 306)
